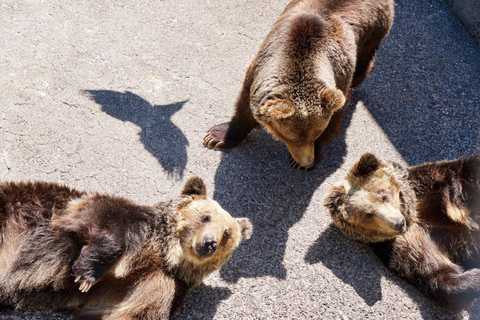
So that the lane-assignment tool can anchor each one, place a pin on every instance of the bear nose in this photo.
(400, 225)
(208, 247)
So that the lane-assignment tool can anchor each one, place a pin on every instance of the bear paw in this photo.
(85, 285)
(216, 137)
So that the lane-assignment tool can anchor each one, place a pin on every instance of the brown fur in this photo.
(422, 222)
(129, 261)
(316, 51)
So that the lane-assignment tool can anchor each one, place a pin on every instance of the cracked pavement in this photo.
(117, 98)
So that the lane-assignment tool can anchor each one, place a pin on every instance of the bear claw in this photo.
(211, 142)
(216, 137)
(296, 166)
(85, 286)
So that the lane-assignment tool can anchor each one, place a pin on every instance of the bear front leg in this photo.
(365, 66)
(230, 134)
(96, 259)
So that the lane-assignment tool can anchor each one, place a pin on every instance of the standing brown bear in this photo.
(316, 51)
(129, 261)
(422, 222)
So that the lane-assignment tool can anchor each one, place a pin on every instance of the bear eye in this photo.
(205, 219)
(226, 233)
(368, 215)
(385, 199)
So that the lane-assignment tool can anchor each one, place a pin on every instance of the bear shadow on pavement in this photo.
(356, 265)
(202, 302)
(426, 96)
(273, 196)
(158, 133)
(345, 259)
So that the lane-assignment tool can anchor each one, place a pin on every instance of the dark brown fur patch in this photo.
(306, 31)
(335, 198)
(194, 186)
(366, 165)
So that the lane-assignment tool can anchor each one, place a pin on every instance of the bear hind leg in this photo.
(456, 290)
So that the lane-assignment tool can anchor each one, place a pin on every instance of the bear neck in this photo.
(192, 272)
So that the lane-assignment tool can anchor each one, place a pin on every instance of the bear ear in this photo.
(366, 165)
(194, 187)
(246, 228)
(332, 98)
(277, 109)
(335, 198)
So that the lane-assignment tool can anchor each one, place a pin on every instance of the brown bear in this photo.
(102, 257)
(421, 221)
(315, 52)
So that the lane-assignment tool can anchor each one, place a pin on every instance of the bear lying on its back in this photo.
(128, 261)
(421, 221)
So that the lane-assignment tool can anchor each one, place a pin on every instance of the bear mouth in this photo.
(206, 249)
(402, 230)
(202, 254)
(298, 167)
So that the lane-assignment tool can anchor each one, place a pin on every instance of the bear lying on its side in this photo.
(300, 79)
(422, 222)
(129, 261)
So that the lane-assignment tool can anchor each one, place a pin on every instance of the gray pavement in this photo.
(117, 97)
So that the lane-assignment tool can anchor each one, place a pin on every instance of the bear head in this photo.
(208, 234)
(369, 204)
(297, 92)
(298, 118)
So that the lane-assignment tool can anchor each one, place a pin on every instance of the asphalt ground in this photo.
(116, 97)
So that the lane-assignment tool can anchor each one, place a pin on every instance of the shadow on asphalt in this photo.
(273, 196)
(158, 133)
(344, 258)
(355, 265)
(425, 91)
(203, 301)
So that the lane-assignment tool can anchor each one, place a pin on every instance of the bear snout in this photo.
(400, 225)
(207, 247)
(304, 157)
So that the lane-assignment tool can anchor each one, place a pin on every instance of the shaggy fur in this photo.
(129, 261)
(316, 51)
(422, 222)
